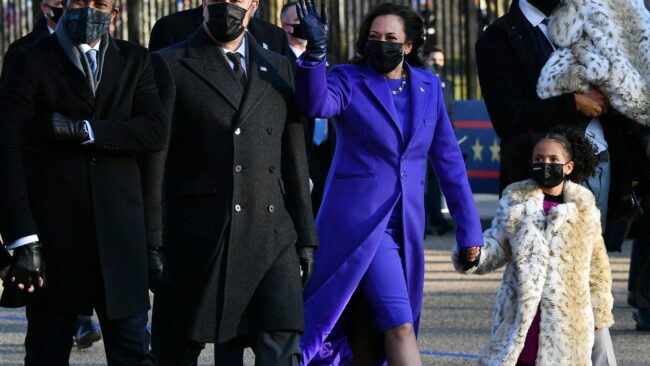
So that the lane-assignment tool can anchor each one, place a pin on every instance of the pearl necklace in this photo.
(401, 87)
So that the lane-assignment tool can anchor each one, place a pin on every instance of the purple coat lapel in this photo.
(376, 86)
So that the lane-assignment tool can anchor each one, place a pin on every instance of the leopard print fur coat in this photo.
(557, 261)
(605, 43)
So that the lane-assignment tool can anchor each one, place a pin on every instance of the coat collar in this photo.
(526, 200)
(207, 61)
(419, 89)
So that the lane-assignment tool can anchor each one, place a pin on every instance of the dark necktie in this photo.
(545, 45)
(235, 58)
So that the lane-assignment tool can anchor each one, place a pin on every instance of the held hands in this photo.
(469, 257)
(156, 269)
(592, 104)
(306, 256)
(316, 28)
(27, 267)
(68, 130)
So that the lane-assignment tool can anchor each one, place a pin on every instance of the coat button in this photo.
(270, 130)
(237, 131)
(272, 169)
(237, 208)
(271, 209)
(93, 161)
(237, 168)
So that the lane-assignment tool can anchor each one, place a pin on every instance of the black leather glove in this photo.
(27, 265)
(68, 130)
(156, 268)
(316, 28)
(306, 256)
(462, 258)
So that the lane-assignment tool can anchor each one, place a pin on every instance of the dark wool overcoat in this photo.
(83, 201)
(235, 201)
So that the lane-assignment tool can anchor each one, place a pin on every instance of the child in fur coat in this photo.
(556, 289)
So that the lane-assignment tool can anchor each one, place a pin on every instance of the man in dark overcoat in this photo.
(75, 109)
(176, 27)
(237, 217)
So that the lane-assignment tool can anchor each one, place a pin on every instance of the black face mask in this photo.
(226, 21)
(56, 13)
(545, 6)
(547, 175)
(384, 56)
(298, 31)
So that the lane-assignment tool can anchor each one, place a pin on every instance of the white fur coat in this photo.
(556, 261)
(605, 43)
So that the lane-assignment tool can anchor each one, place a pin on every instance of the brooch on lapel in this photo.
(421, 90)
(262, 68)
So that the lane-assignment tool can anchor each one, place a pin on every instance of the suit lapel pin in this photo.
(421, 90)
(262, 68)
(265, 45)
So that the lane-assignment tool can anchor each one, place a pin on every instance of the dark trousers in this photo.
(49, 339)
(433, 199)
(639, 282)
(271, 349)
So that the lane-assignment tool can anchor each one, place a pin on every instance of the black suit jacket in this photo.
(236, 194)
(83, 201)
(509, 63)
(176, 27)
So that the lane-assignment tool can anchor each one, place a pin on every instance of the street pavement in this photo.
(456, 315)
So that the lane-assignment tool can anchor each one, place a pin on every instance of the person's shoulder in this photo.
(496, 29)
(183, 16)
(128, 48)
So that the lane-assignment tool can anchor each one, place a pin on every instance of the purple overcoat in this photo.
(375, 165)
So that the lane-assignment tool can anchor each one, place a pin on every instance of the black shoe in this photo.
(642, 319)
(87, 334)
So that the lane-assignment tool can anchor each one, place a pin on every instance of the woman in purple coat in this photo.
(390, 119)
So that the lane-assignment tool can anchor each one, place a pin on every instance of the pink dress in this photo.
(529, 352)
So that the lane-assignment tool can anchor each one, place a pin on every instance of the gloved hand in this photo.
(316, 28)
(156, 268)
(306, 256)
(469, 257)
(68, 130)
(27, 267)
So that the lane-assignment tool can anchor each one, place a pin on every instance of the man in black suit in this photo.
(235, 207)
(510, 56)
(86, 332)
(176, 27)
(75, 109)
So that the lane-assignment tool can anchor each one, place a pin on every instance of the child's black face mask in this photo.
(547, 175)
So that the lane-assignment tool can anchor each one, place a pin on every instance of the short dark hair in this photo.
(413, 27)
(286, 7)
